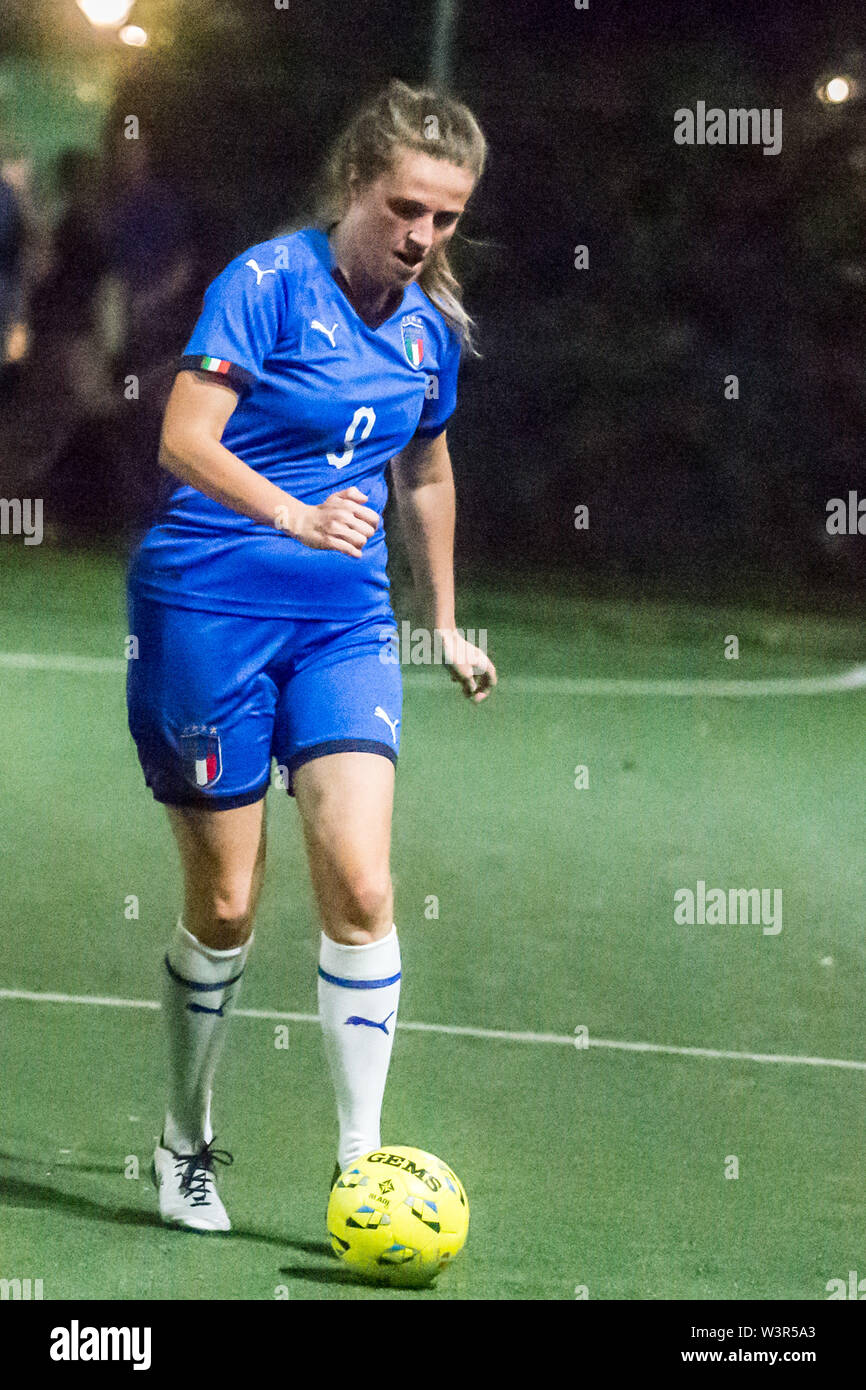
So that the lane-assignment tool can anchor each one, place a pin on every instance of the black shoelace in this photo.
(198, 1169)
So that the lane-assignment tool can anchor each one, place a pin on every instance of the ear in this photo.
(353, 183)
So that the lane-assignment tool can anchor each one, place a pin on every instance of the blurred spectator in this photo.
(11, 236)
(61, 373)
(117, 291)
(67, 336)
(127, 278)
(150, 241)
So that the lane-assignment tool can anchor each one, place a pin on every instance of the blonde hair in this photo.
(404, 118)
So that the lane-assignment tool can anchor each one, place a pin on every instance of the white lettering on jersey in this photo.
(260, 274)
(364, 412)
(322, 329)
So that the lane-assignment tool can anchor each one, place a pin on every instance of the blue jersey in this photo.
(324, 402)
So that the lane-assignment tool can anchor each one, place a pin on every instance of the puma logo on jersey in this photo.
(329, 333)
(392, 723)
(260, 274)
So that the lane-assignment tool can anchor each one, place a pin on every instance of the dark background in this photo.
(605, 386)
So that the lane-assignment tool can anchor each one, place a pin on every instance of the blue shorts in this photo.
(213, 697)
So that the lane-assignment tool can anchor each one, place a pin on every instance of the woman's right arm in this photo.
(197, 412)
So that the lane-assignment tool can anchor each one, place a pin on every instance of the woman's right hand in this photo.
(340, 523)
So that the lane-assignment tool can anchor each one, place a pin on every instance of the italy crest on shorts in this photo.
(201, 752)
(413, 340)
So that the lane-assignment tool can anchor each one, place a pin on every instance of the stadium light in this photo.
(836, 90)
(133, 35)
(106, 14)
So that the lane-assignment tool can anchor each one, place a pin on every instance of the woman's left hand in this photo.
(469, 666)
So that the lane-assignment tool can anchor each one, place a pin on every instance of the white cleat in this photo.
(187, 1188)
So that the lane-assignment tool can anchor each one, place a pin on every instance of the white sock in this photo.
(359, 989)
(200, 988)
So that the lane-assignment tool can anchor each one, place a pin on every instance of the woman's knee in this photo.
(223, 856)
(363, 907)
(223, 914)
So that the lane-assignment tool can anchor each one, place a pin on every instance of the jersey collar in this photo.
(322, 247)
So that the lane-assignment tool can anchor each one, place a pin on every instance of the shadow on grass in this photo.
(338, 1274)
(29, 1194)
(20, 1192)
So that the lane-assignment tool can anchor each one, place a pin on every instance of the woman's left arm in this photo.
(424, 493)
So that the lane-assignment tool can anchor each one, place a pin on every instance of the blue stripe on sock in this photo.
(357, 984)
(194, 984)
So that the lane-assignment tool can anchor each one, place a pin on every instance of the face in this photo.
(405, 216)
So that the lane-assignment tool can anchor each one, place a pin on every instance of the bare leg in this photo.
(346, 802)
(223, 859)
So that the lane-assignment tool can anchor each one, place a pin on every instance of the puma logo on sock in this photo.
(371, 1022)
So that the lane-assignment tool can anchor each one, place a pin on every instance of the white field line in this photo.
(854, 679)
(64, 662)
(455, 1031)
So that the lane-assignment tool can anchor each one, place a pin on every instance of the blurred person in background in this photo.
(64, 319)
(11, 236)
(66, 375)
(34, 420)
(149, 236)
(107, 320)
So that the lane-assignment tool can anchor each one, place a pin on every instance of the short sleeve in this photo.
(441, 395)
(240, 321)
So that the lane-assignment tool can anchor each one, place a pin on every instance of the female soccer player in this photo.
(261, 601)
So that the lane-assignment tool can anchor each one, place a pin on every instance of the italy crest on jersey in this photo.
(202, 756)
(413, 341)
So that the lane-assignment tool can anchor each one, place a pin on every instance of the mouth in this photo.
(406, 261)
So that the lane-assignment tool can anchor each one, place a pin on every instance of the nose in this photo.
(421, 235)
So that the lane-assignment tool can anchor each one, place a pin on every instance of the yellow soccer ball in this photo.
(398, 1216)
